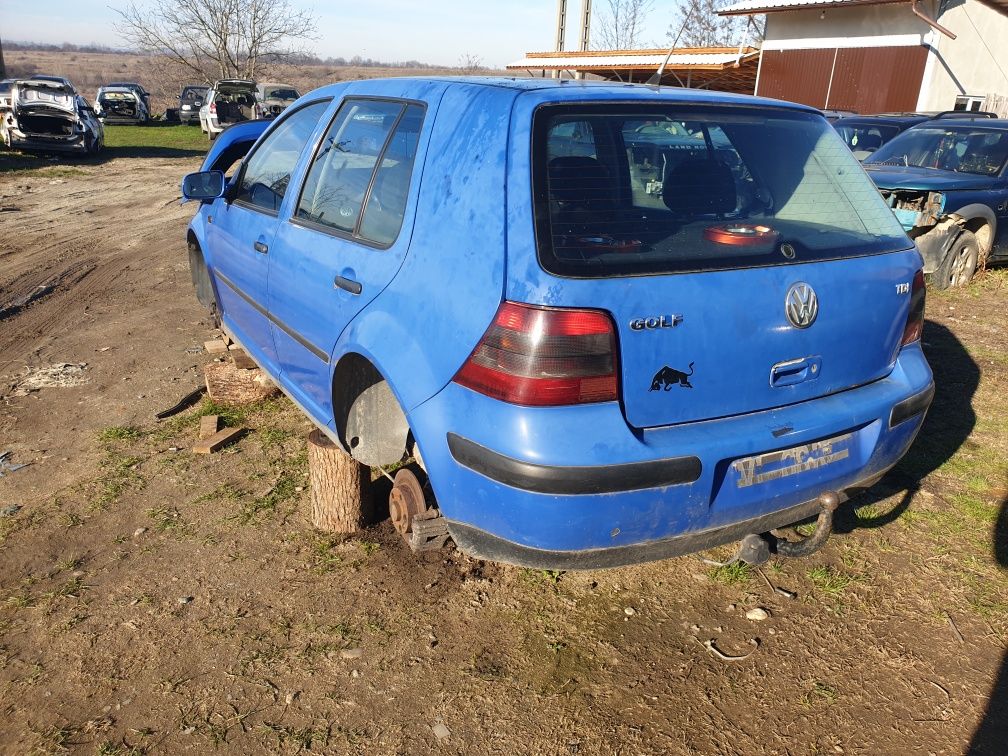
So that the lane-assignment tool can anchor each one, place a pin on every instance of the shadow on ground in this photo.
(947, 426)
(991, 737)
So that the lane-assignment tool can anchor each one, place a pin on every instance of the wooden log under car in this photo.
(340, 495)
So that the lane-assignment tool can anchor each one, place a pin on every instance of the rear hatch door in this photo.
(32, 94)
(709, 345)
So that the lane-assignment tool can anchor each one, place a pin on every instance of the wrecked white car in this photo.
(121, 104)
(229, 101)
(47, 115)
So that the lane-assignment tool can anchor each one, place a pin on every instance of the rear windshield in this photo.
(964, 150)
(193, 93)
(625, 189)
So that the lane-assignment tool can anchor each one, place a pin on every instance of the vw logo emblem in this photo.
(801, 305)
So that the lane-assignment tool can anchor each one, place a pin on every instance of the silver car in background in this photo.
(229, 101)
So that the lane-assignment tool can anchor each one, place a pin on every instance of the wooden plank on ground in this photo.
(218, 440)
(209, 425)
(215, 346)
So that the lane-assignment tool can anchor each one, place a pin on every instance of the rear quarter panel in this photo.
(426, 322)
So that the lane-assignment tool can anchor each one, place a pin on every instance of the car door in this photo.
(345, 239)
(243, 225)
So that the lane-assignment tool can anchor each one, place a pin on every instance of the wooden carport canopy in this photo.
(723, 69)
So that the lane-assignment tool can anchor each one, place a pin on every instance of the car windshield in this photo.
(635, 189)
(865, 137)
(282, 94)
(982, 152)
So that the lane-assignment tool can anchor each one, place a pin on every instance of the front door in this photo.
(345, 239)
(242, 229)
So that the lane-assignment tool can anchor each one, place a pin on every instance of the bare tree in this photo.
(620, 25)
(697, 24)
(471, 63)
(3, 68)
(218, 38)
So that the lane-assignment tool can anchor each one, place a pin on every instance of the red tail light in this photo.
(213, 107)
(543, 357)
(915, 319)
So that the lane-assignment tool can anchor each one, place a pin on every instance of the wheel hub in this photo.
(406, 501)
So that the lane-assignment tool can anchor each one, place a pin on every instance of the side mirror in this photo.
(205, 186)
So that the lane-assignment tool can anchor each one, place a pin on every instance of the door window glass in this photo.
(342, 173)
(386, 204)
(267, 171)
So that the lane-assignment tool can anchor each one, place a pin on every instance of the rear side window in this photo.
(359, 180)
(673, 189)
(266, 174)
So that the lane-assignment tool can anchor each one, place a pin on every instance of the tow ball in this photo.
(755, 548)
(421, 527)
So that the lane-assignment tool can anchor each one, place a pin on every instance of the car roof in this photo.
(987, 124)
(565, 90)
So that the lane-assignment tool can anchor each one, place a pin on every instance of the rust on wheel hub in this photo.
(406, 501)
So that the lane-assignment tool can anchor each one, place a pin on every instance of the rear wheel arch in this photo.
(370, 422)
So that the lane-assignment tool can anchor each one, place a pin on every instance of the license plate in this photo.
(751, 471)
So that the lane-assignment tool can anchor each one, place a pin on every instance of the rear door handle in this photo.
(261, 247)
(348, 284)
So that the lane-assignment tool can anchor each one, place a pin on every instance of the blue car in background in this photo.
(947, 182)
(610, 323)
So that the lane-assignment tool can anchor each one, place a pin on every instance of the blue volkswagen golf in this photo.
(612, 323)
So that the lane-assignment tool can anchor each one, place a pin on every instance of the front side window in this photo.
(670, 189)
(963, 150)
(358, 181)
(266, 174)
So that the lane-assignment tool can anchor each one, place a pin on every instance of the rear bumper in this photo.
(33, 143)
(575, 487)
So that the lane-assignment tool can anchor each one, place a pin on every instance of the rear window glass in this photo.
(630, 189)
(963, 150)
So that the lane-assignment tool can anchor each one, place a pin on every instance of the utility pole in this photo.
(560, 28)
(585, 39)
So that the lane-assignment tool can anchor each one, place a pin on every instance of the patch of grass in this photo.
(271, 436)
(325, 557)
(822, 691)
(109, 748)
(830, 581)
(167, 519)
(120, 474)
(735, 573)
(16, 163)
(119, 433)
(154, 140)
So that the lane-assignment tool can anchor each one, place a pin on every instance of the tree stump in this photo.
(340, 495)
(234, 387)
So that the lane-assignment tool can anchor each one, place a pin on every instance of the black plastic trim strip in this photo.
(274, 320)
(911, 406)
(483, 545)
(573, 480)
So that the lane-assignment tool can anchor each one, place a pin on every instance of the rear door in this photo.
(243, 225)
(349, 231)
(746, 259)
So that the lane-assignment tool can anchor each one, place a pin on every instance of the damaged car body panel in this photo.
(947, 185)
(49, 116)
(121, 104)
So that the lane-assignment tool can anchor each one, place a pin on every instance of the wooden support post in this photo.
(341, 500)
(230, 385)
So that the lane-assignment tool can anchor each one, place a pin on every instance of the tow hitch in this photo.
(755, 549)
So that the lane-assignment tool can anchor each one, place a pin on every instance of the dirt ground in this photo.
(155, 601)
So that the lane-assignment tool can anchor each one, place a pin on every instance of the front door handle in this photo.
(261, 247)
(348, 284)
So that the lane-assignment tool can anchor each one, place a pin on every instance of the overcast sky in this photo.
(437, 31)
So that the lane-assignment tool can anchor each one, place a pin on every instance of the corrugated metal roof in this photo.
(704, 57)
(747, 7)
(770, 6)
